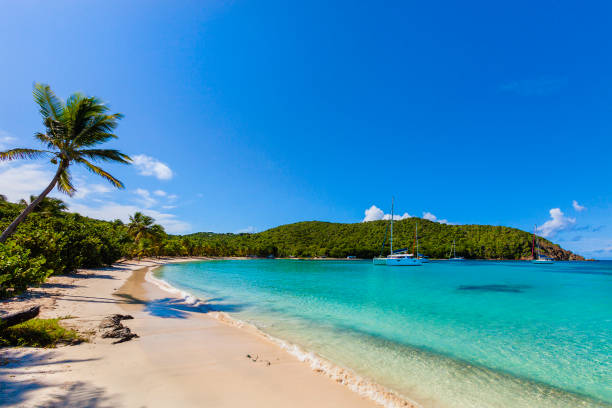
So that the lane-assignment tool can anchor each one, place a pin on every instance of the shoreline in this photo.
(188, 354)
(343, 375)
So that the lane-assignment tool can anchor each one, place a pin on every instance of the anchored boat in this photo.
(399, 257)
(454, 256)
(537, 258)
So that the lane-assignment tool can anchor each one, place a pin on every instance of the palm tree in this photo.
(140, 226)
(48, 206)
(72, 132)
(143, 230)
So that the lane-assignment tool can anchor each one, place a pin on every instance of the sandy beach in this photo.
(184, 356)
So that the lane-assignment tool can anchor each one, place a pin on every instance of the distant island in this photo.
(365, 239)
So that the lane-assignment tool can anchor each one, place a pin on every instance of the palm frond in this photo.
(98, 130)
(109, 155)
(100, 172)
(56, 131)
(82, 111)
(21, 153)
(64, 183)
(50, 105)
(45, 139)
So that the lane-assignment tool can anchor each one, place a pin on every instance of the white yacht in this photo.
(397, 258)
(539, 259)
(403, 260)
(454, 256)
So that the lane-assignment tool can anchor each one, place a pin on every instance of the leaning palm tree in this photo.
(72, 132)
(49, 206)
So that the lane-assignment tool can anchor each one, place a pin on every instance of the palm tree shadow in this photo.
(80, 394)
(15, 392)
(177, 308)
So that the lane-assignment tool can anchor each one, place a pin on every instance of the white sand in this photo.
(187, 360)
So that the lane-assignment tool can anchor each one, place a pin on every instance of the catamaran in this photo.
(399, 257)
(540, 259)
(454, 253)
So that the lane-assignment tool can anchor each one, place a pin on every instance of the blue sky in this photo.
(245, 115)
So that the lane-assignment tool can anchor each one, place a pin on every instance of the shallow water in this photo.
(467, 334)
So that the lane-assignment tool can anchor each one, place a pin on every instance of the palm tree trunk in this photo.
(11, 228)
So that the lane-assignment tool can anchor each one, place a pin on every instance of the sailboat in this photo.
(419, 256)
(454, 253)
(399, 257)
(539, 259)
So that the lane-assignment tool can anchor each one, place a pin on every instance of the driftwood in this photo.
(14, 318)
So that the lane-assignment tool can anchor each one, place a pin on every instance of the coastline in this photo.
(342, 375)
(187, 354)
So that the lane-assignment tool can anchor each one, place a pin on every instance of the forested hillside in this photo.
(53, 241)
(364, 240)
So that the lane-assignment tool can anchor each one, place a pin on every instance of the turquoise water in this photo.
(468, 334)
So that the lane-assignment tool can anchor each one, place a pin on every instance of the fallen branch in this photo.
(14, 318)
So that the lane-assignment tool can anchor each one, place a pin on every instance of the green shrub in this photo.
(18, 269)
(38, 333)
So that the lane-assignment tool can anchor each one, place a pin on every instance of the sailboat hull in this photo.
(404, 262)
(379, 261)
(543, 261)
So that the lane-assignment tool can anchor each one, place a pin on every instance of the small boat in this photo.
(423, 258)
(454, 253)
(397, 258)
(537, 258)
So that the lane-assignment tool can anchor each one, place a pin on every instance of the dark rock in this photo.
(113, 320)
(115, 330)
(126, 338)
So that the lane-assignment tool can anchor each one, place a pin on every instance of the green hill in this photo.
(364, 240)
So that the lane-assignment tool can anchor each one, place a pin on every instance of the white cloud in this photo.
(558, 222)
(84, 191)
(397, 216)
(160, 193)
(21, 181)
(5, 139)
(248, 230)
(112, 211)
(374, 214)
(429, 216)
(150, 166)
(145, 197)
(577, 206)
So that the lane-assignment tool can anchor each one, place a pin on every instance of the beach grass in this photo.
(47, 333)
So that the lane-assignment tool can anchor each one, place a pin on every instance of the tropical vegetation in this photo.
(365, 240)
(72, 132)
(54, 241)
(38, 333)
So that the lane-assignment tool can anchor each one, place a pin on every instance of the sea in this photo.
(444, 335)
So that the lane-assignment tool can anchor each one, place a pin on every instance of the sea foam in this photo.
(345, 376)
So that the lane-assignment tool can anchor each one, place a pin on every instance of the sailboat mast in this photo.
(392, 198)
(416, 238)
(535, 228)
(538, 247)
